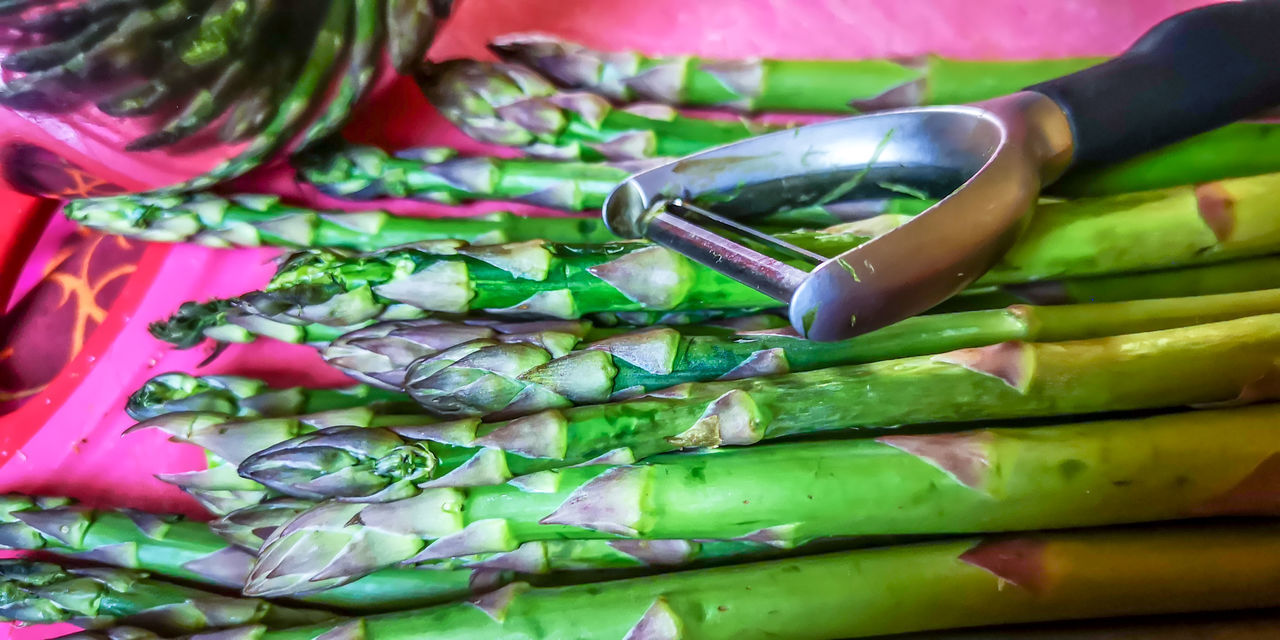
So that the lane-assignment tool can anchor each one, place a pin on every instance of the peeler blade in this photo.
(980, 160)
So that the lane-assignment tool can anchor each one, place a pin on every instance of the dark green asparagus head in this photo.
(159, 219)
(250, 527)
(492, 378)
(362, 172)
(43, 593)
(574, 66)
(380, 353)
(344, 462)
(176, 392)
(186, 327)
(499, 103)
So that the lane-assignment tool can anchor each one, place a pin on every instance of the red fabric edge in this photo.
(18, 427)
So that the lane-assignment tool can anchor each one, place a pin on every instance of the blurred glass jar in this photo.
(109, 96)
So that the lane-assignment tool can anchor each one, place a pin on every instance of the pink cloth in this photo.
(80, 452)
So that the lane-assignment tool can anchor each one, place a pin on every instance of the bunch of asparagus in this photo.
(1071, 240)
(269, 74)
(556, 434)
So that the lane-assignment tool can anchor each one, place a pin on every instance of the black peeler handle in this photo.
(1195, 71)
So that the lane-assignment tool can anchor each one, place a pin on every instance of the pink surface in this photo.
(80, 452)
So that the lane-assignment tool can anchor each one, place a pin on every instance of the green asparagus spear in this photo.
(249, 528)
(835, 86)
(228, 441)
(870, 592)
(439, 175)
(362, 69)
(379, 354)
(243, 397)
(176, 548)
(1130, 233)
(491, 378)
(1248, 274)
(221, 320)
(512, 105)
(328, 47)
(412, 26)
(210, 69)
(257, 108)
(45, 593)
(205, 106)
(1217, 362)
(1240, 149)
(531, 278)
(259, 220)
(989, 480)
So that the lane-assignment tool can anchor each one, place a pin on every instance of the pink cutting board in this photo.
(69, 443)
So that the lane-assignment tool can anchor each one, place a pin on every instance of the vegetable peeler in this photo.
(986, 161)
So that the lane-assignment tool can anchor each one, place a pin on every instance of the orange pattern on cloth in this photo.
(50, 325)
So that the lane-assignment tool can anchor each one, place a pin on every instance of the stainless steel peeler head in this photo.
(987, 161)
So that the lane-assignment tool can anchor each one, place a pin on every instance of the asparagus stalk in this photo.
(1129, 233)
(1206, 363)
(185, 550)
(514, 106)
(1247, 274)
(1240, 149)
(438, 174)
(988, 480)
(221, 320)
(938, 585)
(210, 71)
(249, 528)
(362, 66)
(931, 586)
(45, 593)
(229, 441)
(379, 354)
(224, 321)
(243, 397)
(412, 25)
(254, 220)
(519, 279)
(834, 86)
(492, 378)
(327, 48)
